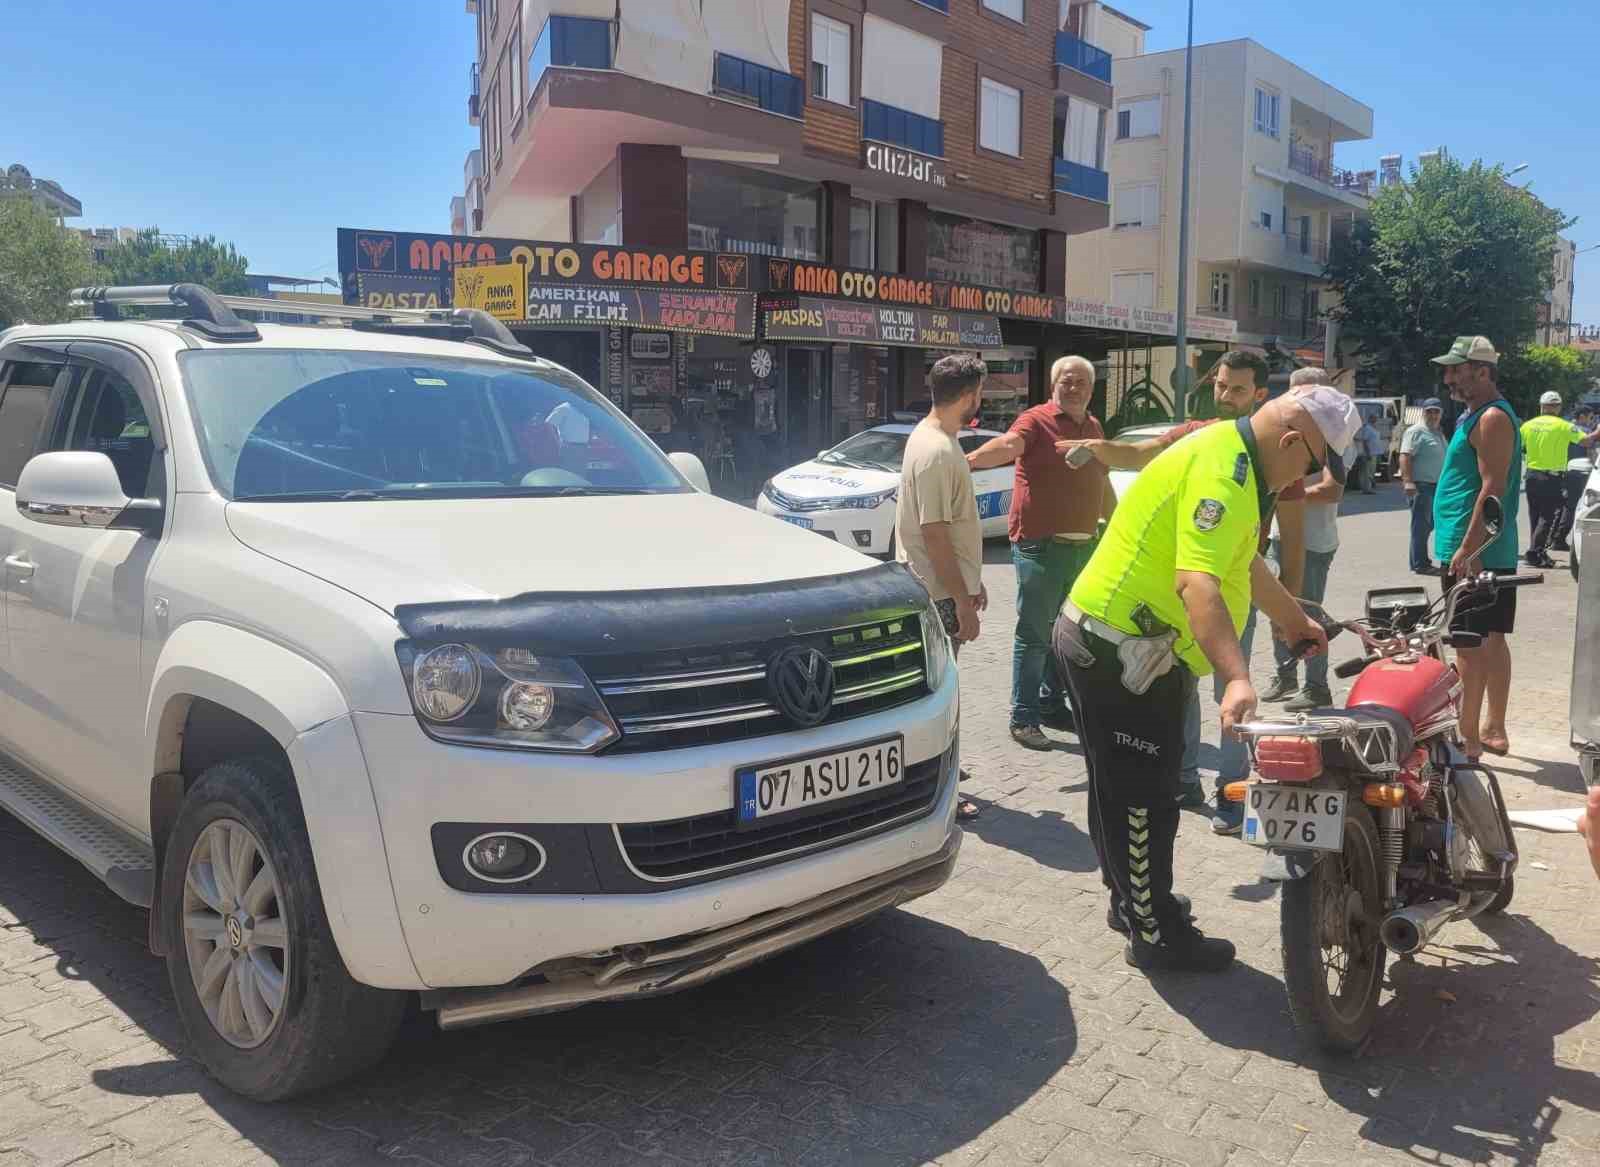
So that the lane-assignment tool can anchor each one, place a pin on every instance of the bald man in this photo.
(1055, 514)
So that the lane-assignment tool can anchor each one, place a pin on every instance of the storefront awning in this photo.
(842, 321)
(705, 313)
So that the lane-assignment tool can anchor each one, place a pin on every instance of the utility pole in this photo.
(1180, 403)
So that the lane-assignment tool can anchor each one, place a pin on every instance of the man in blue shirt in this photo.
(1483, 461)
(1421, 459)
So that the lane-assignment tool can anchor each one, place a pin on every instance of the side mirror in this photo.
(80, 488)
(1494, 518)
(693, 469)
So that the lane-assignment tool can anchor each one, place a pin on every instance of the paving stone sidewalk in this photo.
(994, 1022)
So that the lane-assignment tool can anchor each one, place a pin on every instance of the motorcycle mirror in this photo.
(1494, 517)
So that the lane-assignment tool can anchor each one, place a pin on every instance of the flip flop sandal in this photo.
(1497, 751)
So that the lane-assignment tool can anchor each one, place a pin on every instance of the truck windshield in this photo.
(315, 425)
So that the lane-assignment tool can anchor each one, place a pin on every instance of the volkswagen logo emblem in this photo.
(235, 932)
(801, 683)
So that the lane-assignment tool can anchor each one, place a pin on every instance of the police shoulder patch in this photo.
(1208, 514)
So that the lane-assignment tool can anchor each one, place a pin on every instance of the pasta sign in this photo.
(500, 289)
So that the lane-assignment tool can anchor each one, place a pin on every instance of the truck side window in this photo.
(22, 414)
(103, 414)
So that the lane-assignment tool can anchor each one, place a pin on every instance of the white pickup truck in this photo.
(328, 647)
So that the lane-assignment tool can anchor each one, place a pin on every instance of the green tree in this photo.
(1454, 251)
(40, 263)
(1541, 367)
(147, 258)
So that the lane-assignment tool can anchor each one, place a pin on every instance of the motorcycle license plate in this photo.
(1293, 818)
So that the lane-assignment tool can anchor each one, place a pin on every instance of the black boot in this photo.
(1117, 920)
(1179, 949)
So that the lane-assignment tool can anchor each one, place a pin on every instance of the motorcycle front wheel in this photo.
(1332, 957)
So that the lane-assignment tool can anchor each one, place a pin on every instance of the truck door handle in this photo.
(21, 565)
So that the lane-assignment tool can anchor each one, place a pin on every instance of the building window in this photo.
(571, 42)
(973, 251)
(747, 81)
(862, 226)
(1011, 8)
(1267, 102)
(1139, 118)
(885, 123)
(830, 59)
(1221, 291)
(1138, 205)
(1253, 291)
(1082, 132)
(491, 12)
(1000, 118)
(1134, 289)
(514, 75)
(735, 209)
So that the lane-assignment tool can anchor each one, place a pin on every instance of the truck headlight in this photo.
(936, 651)
(509, 697)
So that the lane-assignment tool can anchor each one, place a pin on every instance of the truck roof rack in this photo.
(214, 316)
(211, 317)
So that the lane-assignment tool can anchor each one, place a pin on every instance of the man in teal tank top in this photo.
(1483, 460)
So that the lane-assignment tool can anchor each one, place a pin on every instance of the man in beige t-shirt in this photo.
(936, 517)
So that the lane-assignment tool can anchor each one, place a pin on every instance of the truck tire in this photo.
(266, 1001)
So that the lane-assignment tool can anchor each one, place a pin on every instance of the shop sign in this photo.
(650, 346)
(797, 278)
(710, 313)
(500, 289)
(829, 320)
(899, 163)
(379, 290)
(409, 253)
(614, 350)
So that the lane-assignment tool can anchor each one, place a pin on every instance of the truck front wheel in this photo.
(265, 998)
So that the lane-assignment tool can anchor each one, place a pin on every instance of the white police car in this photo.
(848, 493)
(1588, 506)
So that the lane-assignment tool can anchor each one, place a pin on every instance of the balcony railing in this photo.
(1074, 178)
(1082, 56)
(1305, 160)
(939, 5)
(901, 127)
(1306, 247)
(579, 42)
(747, 81)
(473, 97)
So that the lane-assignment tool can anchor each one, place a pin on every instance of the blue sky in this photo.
(273, 125)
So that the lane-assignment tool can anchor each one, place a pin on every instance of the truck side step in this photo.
(126, 864)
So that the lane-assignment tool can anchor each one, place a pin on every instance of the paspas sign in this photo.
(832, 320)
(710, 313)
(500, 289)
(900, 163)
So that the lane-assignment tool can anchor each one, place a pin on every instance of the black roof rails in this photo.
(482, 328)
(211, 317)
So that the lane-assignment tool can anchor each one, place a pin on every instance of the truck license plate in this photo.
(799, 783)
(1293, 818)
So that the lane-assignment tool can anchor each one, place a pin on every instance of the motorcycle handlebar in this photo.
(1353, 666)
(1519, 581)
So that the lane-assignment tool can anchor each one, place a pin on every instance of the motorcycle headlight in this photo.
(867, 502)
(936, 651)
(508, 697)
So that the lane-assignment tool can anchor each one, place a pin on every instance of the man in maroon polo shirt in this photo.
(1055, 512)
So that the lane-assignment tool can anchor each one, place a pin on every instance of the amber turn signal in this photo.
(1234, 791)
(1384, 794)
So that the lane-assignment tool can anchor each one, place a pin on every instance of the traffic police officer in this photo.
(1162, 601)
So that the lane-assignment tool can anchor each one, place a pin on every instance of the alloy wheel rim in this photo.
(235, 933)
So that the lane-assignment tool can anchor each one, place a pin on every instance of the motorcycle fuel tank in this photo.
(1419, 690)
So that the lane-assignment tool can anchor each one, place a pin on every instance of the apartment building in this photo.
(819, 162)
(16, 181)
(1555, 313)
(1266, 197)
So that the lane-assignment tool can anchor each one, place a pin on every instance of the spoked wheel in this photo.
(1332, 957)
(237, 940)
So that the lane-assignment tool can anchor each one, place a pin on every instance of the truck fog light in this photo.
(504, 857)
(526, 705)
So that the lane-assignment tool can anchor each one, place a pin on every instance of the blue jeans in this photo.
(1046, 571)
(1421, 524)
(1235, 763)
(1315, 587)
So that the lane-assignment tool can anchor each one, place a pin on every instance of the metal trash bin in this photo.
(1586, 656)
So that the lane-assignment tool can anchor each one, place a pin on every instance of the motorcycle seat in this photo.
(1375, 716)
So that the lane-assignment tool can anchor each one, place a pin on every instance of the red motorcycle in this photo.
(1379, 827)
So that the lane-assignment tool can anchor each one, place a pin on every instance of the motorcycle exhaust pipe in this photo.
(1405, 930)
